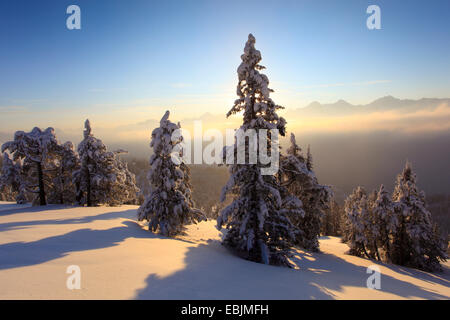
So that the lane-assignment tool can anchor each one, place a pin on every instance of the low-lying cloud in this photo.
(436, 119)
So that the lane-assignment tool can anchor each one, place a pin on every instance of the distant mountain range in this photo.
(388, 103)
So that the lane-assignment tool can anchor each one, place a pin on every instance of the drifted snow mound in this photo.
(119, 259)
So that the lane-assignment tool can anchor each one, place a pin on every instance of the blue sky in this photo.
(131, 60)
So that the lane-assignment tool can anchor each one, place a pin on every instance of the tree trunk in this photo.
(78, 192)
(61, 184)
(255, 251)
(376, 250)
(401, 246)
(388, 251)
(42, 200)
(88, 184)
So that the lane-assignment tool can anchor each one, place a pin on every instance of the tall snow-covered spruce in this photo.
(169, 206)
(102, 178)
(258, 227)
(300, 180)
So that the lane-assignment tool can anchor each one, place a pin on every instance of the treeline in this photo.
(43, 171)
(395, 228)
(207, 182)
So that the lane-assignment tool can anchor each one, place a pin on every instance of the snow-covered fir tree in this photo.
(301, 181)
(415, 242)
(65, 164)
(357, 217)
(169, 206)
(127, 186)
(384, 222)
(257, 225)
(36, 148)
(10, 180)
(398, 230)
(101, 178)
(362, 225)
(372, 227)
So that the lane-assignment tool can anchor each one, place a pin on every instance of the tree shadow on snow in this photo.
(21, 254)
(440, 277)
(6, 210)
(327, 268)
(212, 272)
(128, 214)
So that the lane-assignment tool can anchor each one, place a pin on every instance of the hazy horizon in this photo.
(345, 154)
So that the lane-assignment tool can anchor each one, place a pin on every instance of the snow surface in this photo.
(121, 260)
